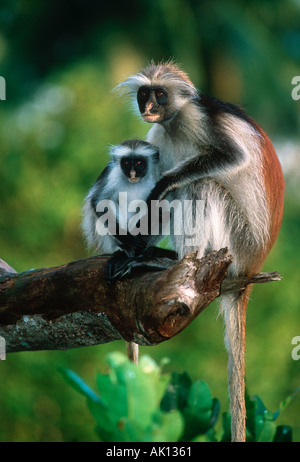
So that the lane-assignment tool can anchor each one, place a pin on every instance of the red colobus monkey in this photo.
(213, 151)
(133, 169)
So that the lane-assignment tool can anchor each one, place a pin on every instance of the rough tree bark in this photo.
(72, 305)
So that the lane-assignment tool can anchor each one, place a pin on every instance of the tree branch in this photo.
(72, 305)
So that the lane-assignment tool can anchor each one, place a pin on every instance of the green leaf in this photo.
(116, 359)
(141, 398)
(283, 405)
(198, 412)
(226, 424)
(216, 406)
(149, 366)
(268, 432)
(170, 428)
(132, 432)
(257, 418)
(259, 425)
(176, 395)
(116, 398)
(283, 434)
(104, 385)
(251, 406)
(261, 409)
(153, 373)
(105, 426)
(132, 391)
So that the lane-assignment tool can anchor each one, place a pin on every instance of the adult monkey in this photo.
(213, 151)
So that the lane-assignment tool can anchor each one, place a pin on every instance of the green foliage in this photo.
(128, 405)
(137, 403)
(260, 421)
(194, 400)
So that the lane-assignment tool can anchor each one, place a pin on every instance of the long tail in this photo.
(133, 352)
(233, 308)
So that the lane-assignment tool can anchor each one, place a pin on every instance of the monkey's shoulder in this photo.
(214, 108)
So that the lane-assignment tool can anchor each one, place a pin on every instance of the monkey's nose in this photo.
(149, 106)
(133, 178)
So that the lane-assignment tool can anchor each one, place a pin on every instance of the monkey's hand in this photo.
(117, 266)
(120, 265)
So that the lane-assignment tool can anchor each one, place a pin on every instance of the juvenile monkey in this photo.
(133, 170)
(213, 151)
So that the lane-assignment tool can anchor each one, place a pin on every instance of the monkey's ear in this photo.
(156, 157)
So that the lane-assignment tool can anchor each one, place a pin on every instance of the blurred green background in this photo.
(60, 61)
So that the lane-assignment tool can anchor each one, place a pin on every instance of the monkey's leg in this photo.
(234, 307)
(133, 352)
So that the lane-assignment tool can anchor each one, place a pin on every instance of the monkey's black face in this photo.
(153, 104)
(134, 168)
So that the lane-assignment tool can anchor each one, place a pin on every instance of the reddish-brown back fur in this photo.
(274, 186)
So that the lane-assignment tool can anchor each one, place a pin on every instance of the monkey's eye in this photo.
(125, 163)
(143, 93)
(161, 96)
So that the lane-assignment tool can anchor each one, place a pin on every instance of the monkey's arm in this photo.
(215, 162)
(129, 243)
